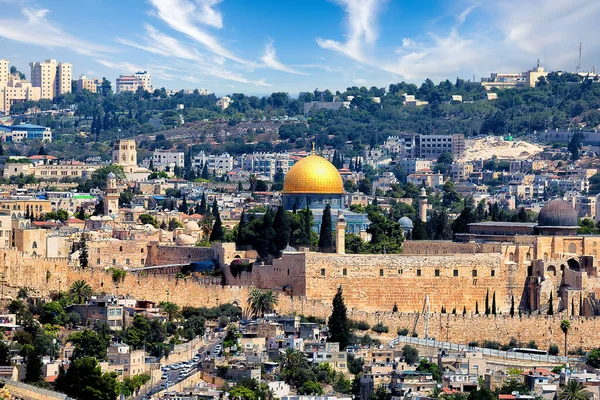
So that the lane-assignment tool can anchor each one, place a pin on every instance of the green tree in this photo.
(33, 366)
(574, 390)
(513, 385)
(83, 253)
(575, 145)
(262, 302)
(325, 236)
(565, 325)
(411, 354)
(89, 343)
(281, 225)
(172, 310)
(426, 366)
(53, 313)
(80, 291)
(84, 380)
(593, 358)
(217, 233)
(338, 325)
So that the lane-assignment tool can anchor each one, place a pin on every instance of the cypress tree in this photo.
(217, 232)
(550, 305)
(203, 204)
(512, 306)
(339, 328)
(205, 174)
(281, 225)
(306, 227)
(572, 306)
(240, 239)
(419, 230)
(215, 208)
(487, 303)
(163, 225)
(494, 304)
(325, 236)
(83, 253)
(183, 206)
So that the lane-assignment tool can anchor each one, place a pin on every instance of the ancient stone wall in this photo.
(426, 247)
(167, 255)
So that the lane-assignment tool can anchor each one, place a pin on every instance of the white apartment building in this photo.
(14, 90)
(170, 159)
(53, 78)
(267, 163)
(132, 83)
(218, 165)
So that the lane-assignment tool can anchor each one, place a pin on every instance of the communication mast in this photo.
(578, 69)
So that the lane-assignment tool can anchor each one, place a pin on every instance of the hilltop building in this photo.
(13, 89)
(53, 78)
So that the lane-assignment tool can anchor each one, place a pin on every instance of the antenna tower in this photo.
(578, 69)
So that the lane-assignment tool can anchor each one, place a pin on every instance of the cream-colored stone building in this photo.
(83, 83)
(13, 89)
(53, 78)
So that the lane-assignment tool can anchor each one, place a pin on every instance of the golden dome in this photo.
(313, 174)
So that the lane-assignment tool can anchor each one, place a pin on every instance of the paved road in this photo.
(203, 352)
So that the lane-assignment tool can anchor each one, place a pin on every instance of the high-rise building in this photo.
(14, 90)
(53, 78)
(145, 80)
(4, 72)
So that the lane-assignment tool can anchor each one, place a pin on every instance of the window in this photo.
(97, 261)
(345, 272)
(455, 273)
(474, 273)
(127, 261)
(493, 272)
(418, 272)
(400, 271)
(437, 272)
(322, 271)
(381, 272)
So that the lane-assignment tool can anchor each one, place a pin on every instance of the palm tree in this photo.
(80, 291)
(436, 392)
(574, 390)
(292, 359)
(261, 301)
(171, 309)
(565, 325)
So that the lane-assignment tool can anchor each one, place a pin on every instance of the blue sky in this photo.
(261, 46)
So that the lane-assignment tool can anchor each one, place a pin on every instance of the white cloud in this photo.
(36, 29)
(362, 28)
(159, 43)
(270, 60)
(505, 35)
(208, 15)
(181, 16)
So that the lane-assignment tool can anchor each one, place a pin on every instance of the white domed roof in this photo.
(111, 176)
(191, 227)
(406, 223)
(185, 240)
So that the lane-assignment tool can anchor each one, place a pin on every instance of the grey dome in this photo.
(406, 223)
(557, 212)
(111, 176)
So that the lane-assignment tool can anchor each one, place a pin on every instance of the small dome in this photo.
(191, 227)
(185, 240)
(111, 176)
(406, 223)
(557, 212)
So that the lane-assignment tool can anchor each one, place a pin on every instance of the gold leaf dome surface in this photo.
(313, 175)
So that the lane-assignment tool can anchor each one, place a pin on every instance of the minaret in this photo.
(111, 196)
(340, 234)
(423, 205)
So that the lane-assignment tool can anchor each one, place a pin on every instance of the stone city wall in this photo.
(167, 255)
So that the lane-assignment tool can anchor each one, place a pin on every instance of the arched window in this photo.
(511, 257)
(551, 270)
(121, 248)
(528, 257)
(34, 245)
(572, 248)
